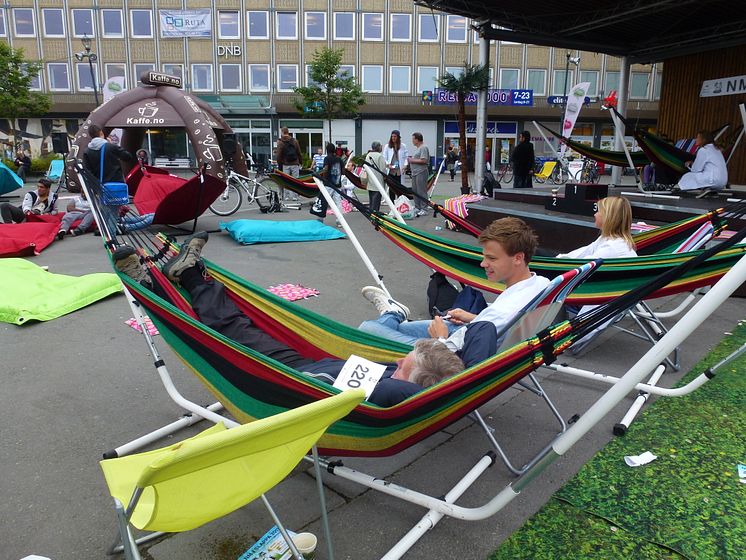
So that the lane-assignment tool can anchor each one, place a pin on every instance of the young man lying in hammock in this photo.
(508, 245)
(429, 362)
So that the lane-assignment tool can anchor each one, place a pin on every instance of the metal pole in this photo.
(93, 76)
(564, 93)
(479, 161)
(616, 171)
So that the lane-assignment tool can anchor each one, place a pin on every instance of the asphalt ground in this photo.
(82, 384)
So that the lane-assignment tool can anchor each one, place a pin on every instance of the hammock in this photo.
(461, 262)
(172, 199)
(303, 186)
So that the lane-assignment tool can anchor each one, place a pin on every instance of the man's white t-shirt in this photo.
(501, 311)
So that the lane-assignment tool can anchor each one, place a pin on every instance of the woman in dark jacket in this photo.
(523, 162)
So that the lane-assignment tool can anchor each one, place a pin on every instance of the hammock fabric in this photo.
(172, 199)
(303, 186)
(253, 386)
(461, 262)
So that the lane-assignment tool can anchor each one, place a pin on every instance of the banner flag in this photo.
(186, 23)
(572, 109)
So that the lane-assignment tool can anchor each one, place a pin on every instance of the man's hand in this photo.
(461, 317)
(71, 206)
(437, 328)
(37, 212)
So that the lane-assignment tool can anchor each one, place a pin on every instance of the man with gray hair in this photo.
(376, 159)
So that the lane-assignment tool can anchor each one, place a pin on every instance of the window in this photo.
(591, 78)
(346, 71)
(456, 32)
(3, 33)
(111, 23)
(612, 82)
(85, 80)
(657, 85)
(59, 76)
(83, 23)
(537, 81)
(228, 25)
(258, 26)
(115, 69)
(230, 77)
(174, 70)
(399, 79)
(23, 22)
(372, 27)
(202, 77)
(54, 22)
(310, 81)
(259, 77)
(429, 24)
(35, 84)
(509, 78)
(639, 85)
(562, 82)
(344, 26)
(287, 77)
(372, 81)
(142, 23)
(401, 27)
(316, 25)
(287, 26)
(427, 78)
(455, 71)
(141, 69)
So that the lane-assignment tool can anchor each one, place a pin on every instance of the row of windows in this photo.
(54, 23)
(230, 78)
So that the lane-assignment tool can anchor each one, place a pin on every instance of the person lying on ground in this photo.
(35, 202)
(508, 244)
(77, 209)
(428, 363)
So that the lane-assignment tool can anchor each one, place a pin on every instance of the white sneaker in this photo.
(383, 303)
(421, 213)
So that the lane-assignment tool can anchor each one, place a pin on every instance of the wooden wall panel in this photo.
(683, 111)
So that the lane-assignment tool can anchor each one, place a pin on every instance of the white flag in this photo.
(572, 109)
(111, 88)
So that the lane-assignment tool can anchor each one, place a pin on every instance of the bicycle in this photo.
(589, 173)
(560, 174)
(505, 173)
(231, 198)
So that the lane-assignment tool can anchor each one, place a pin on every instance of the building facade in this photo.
(252, 53)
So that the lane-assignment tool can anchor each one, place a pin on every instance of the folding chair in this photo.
(536, 316)
(188, 484)
(56, 169)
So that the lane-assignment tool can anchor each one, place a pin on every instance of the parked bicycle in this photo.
(255, 190)
(504, 173)
(590, 172)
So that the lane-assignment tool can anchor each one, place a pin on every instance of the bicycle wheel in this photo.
(261, 193)
(228, 202)
(508, 175)
(499, 173)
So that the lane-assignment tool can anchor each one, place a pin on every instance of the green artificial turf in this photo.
(689, 501)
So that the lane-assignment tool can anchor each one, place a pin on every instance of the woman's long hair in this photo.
(396, 146)
(617, 218)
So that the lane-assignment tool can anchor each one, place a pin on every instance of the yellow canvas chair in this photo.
(546, 171)
(188, 484)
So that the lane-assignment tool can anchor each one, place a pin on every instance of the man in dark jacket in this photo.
(112, 155)
(429, 362)
(523, 162)
(288, 156)
(23, 165)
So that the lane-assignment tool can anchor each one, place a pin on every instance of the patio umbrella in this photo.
(9, 181)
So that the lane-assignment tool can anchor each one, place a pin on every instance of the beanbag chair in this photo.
(248, 232)
(30, 237)
(31, 293)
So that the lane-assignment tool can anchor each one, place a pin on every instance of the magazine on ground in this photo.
(270, 547)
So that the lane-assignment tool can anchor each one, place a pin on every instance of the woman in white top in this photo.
(395, 154)
(709, 169)
(614, 219)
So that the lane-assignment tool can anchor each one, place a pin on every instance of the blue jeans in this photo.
(394, 327)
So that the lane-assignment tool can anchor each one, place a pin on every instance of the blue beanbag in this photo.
(248, 232)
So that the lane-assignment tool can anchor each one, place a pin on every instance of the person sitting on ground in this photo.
(113, 153)
(508, 245)
(428, 363)
(35, 202)
(709, 170)
(614, 219)
(77, 209)
(23, 165)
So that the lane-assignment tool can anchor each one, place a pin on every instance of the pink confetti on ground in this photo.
(293, 292)
(152, 330)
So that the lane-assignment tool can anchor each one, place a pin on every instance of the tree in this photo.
(473, 79)
(16, 99)
(330, 94)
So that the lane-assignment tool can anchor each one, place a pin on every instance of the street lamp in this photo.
(576, 61)
(92, 57)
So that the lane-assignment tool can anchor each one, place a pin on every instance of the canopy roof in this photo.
(643, 30)
(238, 104)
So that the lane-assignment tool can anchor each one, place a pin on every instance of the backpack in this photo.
(470, 300)
(289, 153)
(440, 293)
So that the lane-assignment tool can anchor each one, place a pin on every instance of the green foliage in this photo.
(331, 95)
(39, 166)
(16, 100)
(307, 162)
(474, 78)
